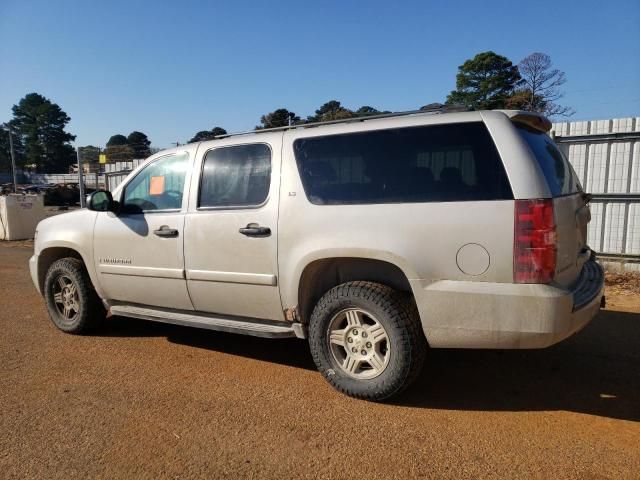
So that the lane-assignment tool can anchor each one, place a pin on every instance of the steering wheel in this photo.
(176, 194)
(173, 198)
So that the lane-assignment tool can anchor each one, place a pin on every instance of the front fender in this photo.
(74, 231)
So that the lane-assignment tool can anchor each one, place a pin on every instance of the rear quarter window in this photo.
(454, 162)
(557, 170)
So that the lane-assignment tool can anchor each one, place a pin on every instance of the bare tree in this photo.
(540, 86)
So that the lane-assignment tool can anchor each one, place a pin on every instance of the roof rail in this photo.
(431, 109)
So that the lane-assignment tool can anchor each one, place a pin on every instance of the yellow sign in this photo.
(102, 158)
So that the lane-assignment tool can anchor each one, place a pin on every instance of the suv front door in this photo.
(138, 252)
(231, 229)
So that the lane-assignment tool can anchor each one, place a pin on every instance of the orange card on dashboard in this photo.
(156, 186)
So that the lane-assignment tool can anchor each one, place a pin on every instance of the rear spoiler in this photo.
(531, 119)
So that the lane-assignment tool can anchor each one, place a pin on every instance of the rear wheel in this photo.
(366, 340)
(73, 305)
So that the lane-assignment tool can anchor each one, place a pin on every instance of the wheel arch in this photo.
(321, 275)
(48, 255)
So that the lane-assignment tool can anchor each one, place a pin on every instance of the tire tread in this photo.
(93, 313)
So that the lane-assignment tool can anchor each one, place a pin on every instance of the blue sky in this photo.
(170, 69)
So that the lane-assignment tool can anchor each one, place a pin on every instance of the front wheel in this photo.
(71, 300)
(366, 340)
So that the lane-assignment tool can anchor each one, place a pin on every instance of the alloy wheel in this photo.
(358, 343)
(65, 298)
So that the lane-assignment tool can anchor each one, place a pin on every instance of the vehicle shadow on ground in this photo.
(288, 351)
(596, 372)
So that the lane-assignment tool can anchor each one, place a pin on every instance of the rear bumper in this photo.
(459, 314)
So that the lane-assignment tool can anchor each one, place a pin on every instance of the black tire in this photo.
(393, 310)
(87, 312)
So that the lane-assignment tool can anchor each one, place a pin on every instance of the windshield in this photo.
(559, 173)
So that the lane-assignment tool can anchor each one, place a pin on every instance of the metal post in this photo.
(80, 179)
(13, 162)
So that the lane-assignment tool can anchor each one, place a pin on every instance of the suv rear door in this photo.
(231, 228)
(569, 204)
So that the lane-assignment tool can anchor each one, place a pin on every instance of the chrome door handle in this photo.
(165, 232)
(253, 230)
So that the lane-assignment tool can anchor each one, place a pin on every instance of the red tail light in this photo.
(534, 246)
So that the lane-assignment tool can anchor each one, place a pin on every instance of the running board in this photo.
(243, 326)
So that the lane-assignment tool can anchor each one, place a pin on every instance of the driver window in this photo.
(158, 186)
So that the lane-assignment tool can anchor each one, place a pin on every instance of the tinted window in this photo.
(236, 176)
(418, 164)
(159, 186)
(557, 170)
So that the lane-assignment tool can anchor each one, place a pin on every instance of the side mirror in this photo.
(100, 201)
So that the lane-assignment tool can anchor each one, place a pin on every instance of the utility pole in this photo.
(13, 161)
(80, 179)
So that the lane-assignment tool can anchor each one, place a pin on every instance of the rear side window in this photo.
(457, 162)
(557, 170)
(237, 176)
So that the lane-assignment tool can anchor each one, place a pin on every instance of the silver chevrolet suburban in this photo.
(373, 238)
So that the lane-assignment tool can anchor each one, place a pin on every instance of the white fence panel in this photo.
(633, 230)
(606, 157)
(635, 169)
(597, 167)
(594, 232)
